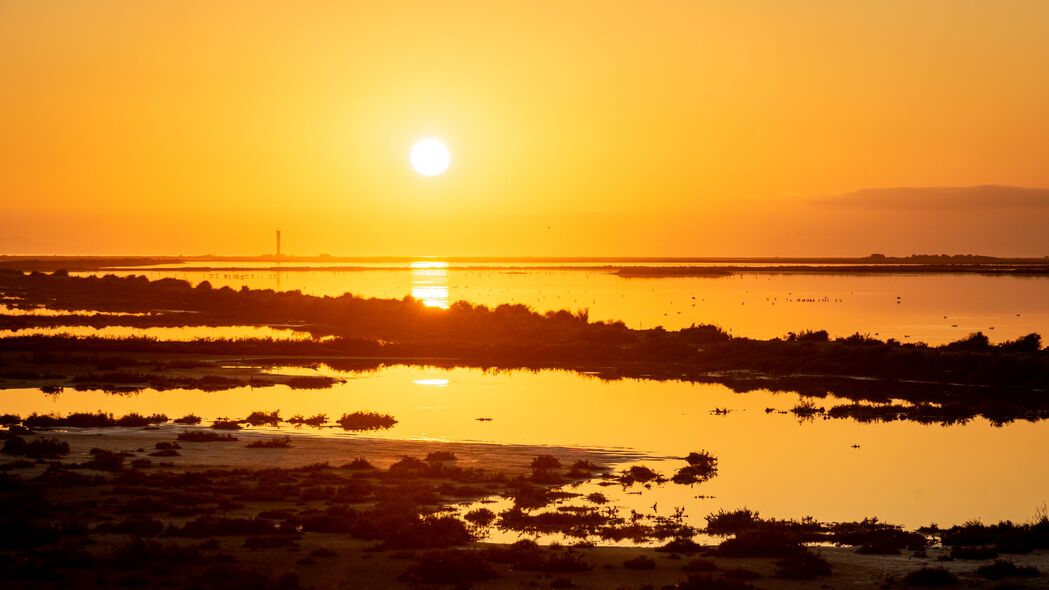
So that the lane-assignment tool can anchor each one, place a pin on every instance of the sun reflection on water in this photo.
(432, 382)
(430, 283)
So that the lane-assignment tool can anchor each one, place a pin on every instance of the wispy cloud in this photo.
(945, 198)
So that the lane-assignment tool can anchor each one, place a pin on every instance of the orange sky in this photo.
(577, 128)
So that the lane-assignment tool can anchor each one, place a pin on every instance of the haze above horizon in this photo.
(584, 129)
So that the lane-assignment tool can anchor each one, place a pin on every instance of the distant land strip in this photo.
(1008, 378)
(624, 266)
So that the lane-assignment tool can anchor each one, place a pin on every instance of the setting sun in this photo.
(430, 157)
(716, 292)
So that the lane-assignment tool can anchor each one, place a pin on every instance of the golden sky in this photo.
(576, 128)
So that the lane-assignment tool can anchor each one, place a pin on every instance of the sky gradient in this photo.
(581, 128)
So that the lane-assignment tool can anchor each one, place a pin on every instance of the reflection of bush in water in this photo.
(366, 421)
(205, 436)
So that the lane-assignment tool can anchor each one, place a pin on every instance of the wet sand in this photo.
(356, 563)
(313, 446)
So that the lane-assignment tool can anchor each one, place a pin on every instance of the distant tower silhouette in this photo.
(278, 243)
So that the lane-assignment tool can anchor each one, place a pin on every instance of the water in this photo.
(902, 472)
(911, 308)
(173, 333)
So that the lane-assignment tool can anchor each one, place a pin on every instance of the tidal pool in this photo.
(911, 308)
(834, 470)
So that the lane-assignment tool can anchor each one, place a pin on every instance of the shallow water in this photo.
(174, 333)
(902, 472)
(910, 308)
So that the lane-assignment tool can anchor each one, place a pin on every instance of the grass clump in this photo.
(702, 466)
(315, 420)
(1003, 568)
(930, 577)
(440, 456)
(641, 562)
(802, 566)
(358, 464)
(199, 436)
(450, 566)
(41, 448)
(280, 442)
(222, 424)
(480, 516)
(258, 418)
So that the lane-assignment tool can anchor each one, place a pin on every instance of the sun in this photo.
(430, 157)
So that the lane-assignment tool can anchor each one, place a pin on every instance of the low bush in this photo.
(641, 562)
(450, 566)
(930, 577)
(282, 442)
(802, 566)
(257, 418)
(366, 421)
(1002, 568)
(205, 436)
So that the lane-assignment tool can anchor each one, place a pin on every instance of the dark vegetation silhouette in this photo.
(930, 577)
(951, 381)
(366, 421)
(280, 442)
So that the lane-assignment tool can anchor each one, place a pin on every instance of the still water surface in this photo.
(910, 308)
(902, 472)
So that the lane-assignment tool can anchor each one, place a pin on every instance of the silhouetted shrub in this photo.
(165, 453)
(205, 436)
(480, 516)
(546, 462)
(316, 420)
(41, 448)
(359, 463)
(686, 546)
(225, 425)
(708, 582)
(760, 543)
(640, 474)
(977, 341)
(450, 566)
(212, 526)
(700, 565)
(366, 421)
(282, 442)
(641, 562)
(977, 552)
(429, 533)
(134, 420)
(190, 419)
(1006, 569)
(257, 418)
(729, 522)
(702, 466)
(930, 576)
(1029, 343)
(104, 460)
(802, 566)
(808, 336)
(440, 456)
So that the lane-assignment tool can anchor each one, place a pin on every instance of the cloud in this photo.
(941, 198)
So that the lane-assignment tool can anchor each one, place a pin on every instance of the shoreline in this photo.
(116, 500)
